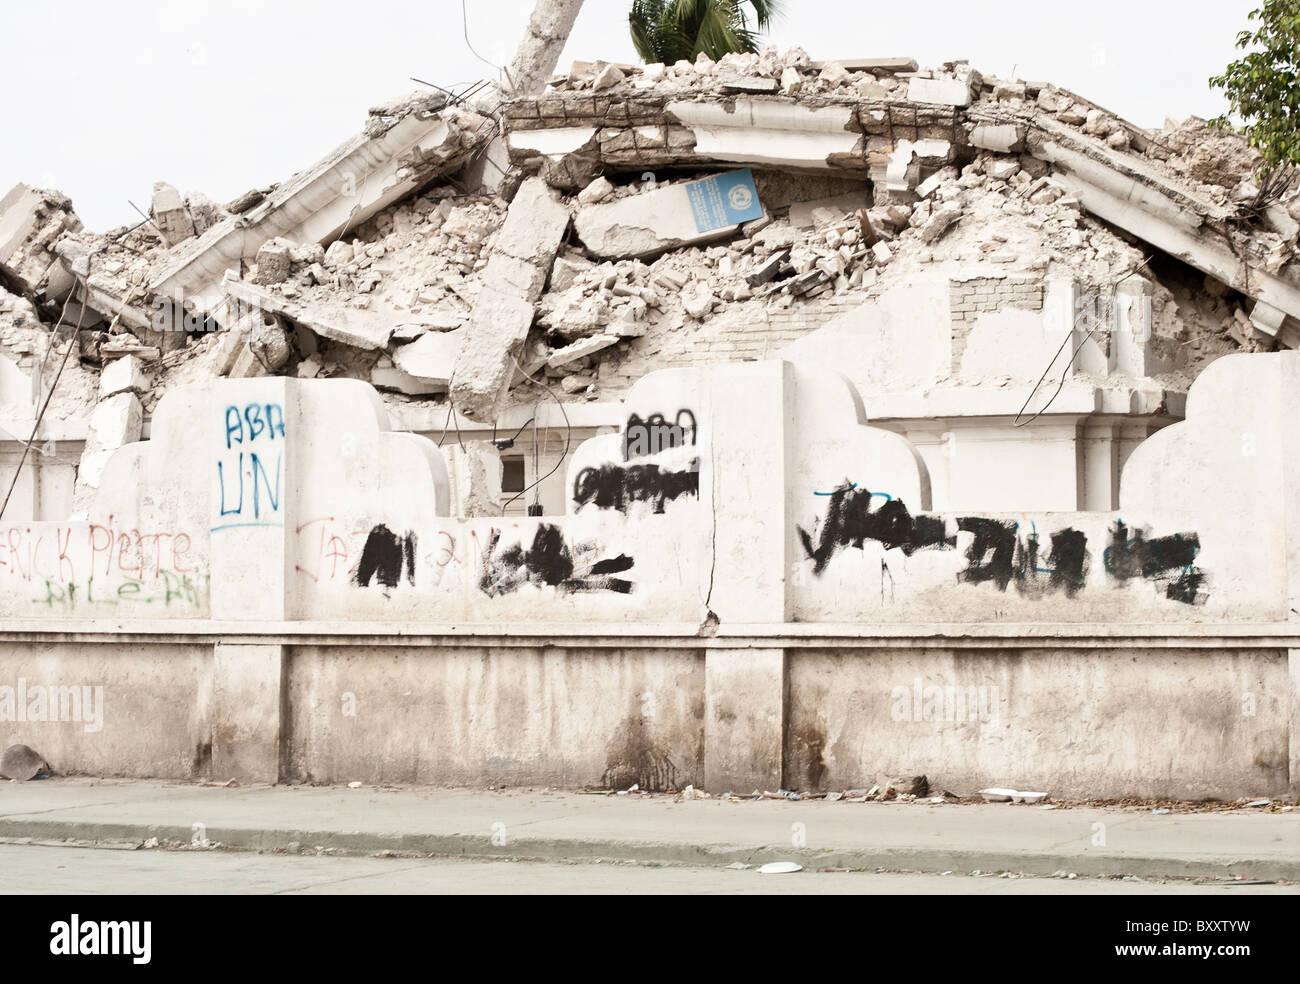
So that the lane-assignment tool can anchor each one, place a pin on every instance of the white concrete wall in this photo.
(755, 491)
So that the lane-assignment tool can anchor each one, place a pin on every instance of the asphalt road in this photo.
(77, 870)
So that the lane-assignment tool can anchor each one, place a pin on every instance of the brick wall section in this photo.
(739, 331)
(967, 299)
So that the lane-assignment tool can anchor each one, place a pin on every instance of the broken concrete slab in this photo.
(939, 223)
(485, 363)
(392, 378)
(431, 357)
(771, 133)
(513, 282)
(31, 222)
(366, 174)
(580, 349)
(886, 66)
(756, 85)
(361, 328)
(534, 228)
(656, 221)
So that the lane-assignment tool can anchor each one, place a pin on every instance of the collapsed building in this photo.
(644, 315)
(946, 240)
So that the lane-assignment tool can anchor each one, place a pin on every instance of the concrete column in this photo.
(749, 460)
(744, 719)
(253, 502)
(1293, 729)
(247, 712)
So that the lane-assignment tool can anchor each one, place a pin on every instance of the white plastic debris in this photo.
(780, 868)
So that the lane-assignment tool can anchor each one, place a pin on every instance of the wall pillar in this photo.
(1293, 718)
(744, 719)
(248, 711)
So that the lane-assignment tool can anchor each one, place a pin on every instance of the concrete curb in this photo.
(647, 851)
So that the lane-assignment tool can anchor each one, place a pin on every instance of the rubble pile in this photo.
(400, 258)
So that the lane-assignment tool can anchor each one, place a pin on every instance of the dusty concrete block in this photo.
(948, 92)
(338, 254)
(269, 341)
(597, 191)
(170, 215)
(273, 262)
(1002, 170)
(431, 357)
(608, 76)
(567, 269)
(246, 365)
(1001, 138)
(697, 299)
(123, 375)
(115, 422)
(939, 223)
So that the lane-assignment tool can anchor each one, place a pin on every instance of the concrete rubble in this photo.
(396, 260)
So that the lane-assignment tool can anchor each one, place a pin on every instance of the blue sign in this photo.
(724, 200)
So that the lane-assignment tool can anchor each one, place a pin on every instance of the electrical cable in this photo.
(36, 426)
(568, 437)
(464, 26)
(1061, 383)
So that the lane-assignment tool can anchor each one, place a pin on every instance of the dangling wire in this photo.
(1061, 383)
(568, 437)
(73, 340)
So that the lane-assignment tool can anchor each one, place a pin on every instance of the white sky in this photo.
(103, 99)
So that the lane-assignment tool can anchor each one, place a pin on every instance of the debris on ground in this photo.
(21, 764)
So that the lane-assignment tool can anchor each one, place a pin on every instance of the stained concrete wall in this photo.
(1074, 712)
(140, 708)
(1095, 722)
(565, 715)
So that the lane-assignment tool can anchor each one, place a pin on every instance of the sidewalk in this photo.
(570, 826)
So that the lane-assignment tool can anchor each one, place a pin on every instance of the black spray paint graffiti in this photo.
(1167, 560)
(850, 521)
(619, 486)
(384, 556)
(655, 434)
(549, 561)
(1000, 555)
